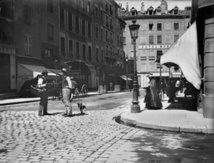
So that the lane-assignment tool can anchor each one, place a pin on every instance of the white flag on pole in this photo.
(184, 53)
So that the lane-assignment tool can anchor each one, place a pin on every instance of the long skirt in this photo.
(152, 99)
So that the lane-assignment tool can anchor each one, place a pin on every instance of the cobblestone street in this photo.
(94, 137)
(26, 137)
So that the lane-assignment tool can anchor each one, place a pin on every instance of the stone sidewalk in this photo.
(171, 117)
(12, 101)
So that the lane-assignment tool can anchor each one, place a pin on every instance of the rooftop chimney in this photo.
(142, 8)
(164, 7)
(127, 6)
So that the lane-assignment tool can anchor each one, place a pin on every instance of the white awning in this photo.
(124, 77)
(57, 72)
(184, 53)
(37, 70)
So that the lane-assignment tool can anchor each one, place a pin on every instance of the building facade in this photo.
(159, 29)
(36, 35)
(44, 34)
(7, 48)
(90, 31)
(203, 14)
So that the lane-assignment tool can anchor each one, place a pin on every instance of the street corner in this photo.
(148, 119)
(209, 124)
(132, 118)
(196, 123)
(126, 119)
(169, 120)
(193, 128)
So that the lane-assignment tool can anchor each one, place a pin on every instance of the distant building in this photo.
(90, 31)
(38, 35)
(159, 29)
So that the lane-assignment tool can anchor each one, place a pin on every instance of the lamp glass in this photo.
(134, 28)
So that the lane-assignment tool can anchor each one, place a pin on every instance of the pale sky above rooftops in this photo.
(181, 4)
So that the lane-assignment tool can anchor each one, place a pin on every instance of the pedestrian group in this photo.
(157, 89)
(67, 86)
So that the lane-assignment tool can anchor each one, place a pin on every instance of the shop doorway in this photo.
(4, 73)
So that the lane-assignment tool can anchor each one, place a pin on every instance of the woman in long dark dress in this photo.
(152, 98)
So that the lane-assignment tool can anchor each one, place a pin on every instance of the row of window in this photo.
(168, 26)
(149, 55)
(108, 9)
(76, 48)
(109, 36)
(50, 37)
(143, 40)
(145, 58)
(159, 39)
(80, 27)
(74, 23)
(82, 3)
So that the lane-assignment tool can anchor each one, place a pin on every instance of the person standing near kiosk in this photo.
(66, 92)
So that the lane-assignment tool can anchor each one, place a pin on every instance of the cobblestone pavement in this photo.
(94, 137)
(26, 137)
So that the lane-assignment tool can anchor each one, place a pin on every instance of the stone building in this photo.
(159, 28)
(90, 31)
(43, 34)
(203, 14)
(7, 48)
(36, 37)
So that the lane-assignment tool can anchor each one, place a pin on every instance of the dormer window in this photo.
(133, 11)
(158, 11)
(175, 10)
(150, 10)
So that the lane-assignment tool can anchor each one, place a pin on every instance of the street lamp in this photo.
(127, 59)
(56, 62)
(135, 108)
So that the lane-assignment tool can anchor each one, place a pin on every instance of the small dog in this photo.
(81, 107)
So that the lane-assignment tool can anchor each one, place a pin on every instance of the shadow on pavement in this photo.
(162, 147)
(182, 104)
(56, 113)
(74, 115)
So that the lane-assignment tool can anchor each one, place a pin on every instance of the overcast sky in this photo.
(155, 3)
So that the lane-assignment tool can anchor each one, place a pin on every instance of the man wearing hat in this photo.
(66, 92)
(42, 84)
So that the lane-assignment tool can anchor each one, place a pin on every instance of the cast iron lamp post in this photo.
(56, 62)
(135, 108)
(127, 87)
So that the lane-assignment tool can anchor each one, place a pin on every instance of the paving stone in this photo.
(101, 159)
(34, 160)
(89, 159)
(98, 161)
(55, 139)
